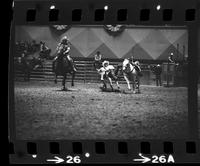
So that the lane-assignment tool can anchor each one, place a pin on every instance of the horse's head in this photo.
(126, 67)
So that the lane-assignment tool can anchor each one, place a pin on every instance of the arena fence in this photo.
(87, 74)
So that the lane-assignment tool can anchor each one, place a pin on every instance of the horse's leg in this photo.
(127, 81)
(117, 83)
(73, 76)
(134, 82)
(115, 78)
(55, 78)
(63, 82)
(111, 85)
(138, 84)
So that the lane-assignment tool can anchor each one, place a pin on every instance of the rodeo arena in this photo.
(100, 82)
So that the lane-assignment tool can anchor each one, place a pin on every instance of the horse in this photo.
(61, 66)
(26, 66)
(109, 75)
(130, 73)
(45, 54)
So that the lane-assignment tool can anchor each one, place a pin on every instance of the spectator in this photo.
(97, 60)
(44, 50)
(171, 58)
(158, 71)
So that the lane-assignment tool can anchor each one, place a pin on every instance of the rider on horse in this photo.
(63, 49)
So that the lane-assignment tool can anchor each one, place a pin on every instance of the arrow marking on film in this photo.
(56, 160)
(143, 159)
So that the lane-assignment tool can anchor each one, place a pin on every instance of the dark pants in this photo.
(158, 80)
(97, 64)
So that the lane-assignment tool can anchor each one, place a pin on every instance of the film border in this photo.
(88, 7)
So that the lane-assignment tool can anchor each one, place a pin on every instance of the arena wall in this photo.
(145, 43)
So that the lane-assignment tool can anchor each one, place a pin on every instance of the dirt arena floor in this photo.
(45, 112)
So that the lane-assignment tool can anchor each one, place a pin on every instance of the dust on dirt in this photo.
(43, 111)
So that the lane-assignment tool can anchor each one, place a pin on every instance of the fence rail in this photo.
(87, 73)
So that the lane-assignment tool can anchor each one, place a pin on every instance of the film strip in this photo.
(152, 44)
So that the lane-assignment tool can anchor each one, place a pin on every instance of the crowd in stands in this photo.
(26, 47)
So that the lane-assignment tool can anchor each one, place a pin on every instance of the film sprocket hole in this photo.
(104, 82)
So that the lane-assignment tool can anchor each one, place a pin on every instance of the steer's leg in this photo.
(102, 80)
(127, 81)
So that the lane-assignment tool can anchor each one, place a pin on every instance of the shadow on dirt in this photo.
(66, 90)
(110, 90)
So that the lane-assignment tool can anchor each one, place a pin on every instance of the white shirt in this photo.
(109, 67)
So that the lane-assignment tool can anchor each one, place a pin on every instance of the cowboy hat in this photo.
(137, 63)
(105, 62)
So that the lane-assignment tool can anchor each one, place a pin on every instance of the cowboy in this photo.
(98, 56)
(104, 71)
(63, 49)
(23, 59)
(107, 66)
(97, 60)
